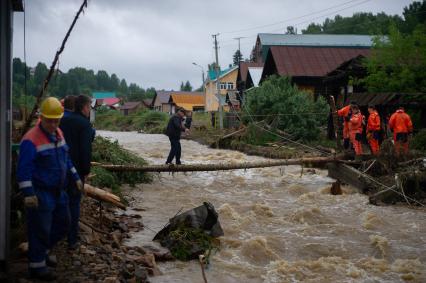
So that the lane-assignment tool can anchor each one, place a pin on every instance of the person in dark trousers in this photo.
(174, 129)
(78, 133)
(42, 172)
(188, 119)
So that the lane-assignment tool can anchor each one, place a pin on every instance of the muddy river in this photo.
(280, 225)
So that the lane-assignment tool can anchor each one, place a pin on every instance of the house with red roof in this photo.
(307, 59)
(107, 99)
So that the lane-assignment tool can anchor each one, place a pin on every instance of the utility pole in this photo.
(219, 97)
(239, 48)
(239, 41)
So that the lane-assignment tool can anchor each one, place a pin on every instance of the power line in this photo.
(290, 19)
(312, 19)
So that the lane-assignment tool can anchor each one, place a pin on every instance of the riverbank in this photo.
(255, 140)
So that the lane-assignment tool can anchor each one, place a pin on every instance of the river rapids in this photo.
(281, 224)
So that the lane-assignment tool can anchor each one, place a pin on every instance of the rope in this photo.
(389, 188)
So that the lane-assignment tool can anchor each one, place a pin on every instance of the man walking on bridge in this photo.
(174, 129)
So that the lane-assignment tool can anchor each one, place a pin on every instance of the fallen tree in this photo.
(310, 161)
(102, 195)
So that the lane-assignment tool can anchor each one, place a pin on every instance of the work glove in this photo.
(80, 186)
(31, 202)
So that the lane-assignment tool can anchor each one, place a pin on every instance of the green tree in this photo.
(103, 80)
(237, 57)
(358, 23)
(291, 30)
(414, 15)
(277, 96)
(398, 64)
(186, 86)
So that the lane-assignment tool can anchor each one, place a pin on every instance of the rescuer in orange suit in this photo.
(401, 126)
(373, 129)
(346, 113)
(355, 129)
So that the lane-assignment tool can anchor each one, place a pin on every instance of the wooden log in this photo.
(221, 166)
(348, 175)
(233, 133)
(102, 195)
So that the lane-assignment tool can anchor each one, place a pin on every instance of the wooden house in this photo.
(227, 82)
(192, 102)
(161, 100)
(131, 107)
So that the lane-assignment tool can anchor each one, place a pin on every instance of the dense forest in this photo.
(368, 23)
(27, 80)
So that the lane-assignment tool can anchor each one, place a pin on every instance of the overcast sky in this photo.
(153, 43)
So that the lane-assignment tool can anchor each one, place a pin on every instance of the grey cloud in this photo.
(153, 43)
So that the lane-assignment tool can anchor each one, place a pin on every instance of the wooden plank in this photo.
(347, 174)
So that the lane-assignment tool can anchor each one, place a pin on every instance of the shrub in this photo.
(107, 152)
(419, 141)
(290, 109)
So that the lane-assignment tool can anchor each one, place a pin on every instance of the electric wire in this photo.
(290, 19)
(25, 61)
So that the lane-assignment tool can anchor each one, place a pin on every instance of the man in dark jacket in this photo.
(78, 134)
(174, 129)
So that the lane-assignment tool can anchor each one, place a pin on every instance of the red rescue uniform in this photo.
(401, 125)
(373, 129)
(344, 112)
(355, 132)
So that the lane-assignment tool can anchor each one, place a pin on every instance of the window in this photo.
(230, 85)
(222, 85)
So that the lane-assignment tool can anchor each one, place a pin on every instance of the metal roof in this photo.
(130, 105)
(212, 73)
(164, 96)
(103, 94)
(255, 74)
(244, 68)
(298, 61)
(318, 40)
(187, 99)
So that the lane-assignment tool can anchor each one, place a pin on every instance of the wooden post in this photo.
(336, 124)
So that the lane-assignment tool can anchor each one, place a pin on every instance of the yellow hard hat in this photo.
(51, 108)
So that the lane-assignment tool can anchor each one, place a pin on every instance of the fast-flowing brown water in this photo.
(280, 225)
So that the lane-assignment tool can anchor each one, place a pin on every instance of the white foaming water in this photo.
(280, 226)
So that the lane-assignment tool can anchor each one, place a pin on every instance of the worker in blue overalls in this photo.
(42, 175)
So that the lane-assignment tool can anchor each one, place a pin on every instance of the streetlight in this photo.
(202, 70)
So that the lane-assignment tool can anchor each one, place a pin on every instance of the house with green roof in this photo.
(103, 95)
(227, 82)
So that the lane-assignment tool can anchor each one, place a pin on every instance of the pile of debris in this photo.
(102, 255)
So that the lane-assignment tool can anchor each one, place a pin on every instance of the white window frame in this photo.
(230, 85)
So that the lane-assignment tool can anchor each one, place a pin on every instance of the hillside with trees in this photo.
(78, 80)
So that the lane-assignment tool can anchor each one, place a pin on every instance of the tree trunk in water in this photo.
(221, 166)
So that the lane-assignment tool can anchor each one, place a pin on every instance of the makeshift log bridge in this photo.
(311, 161)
